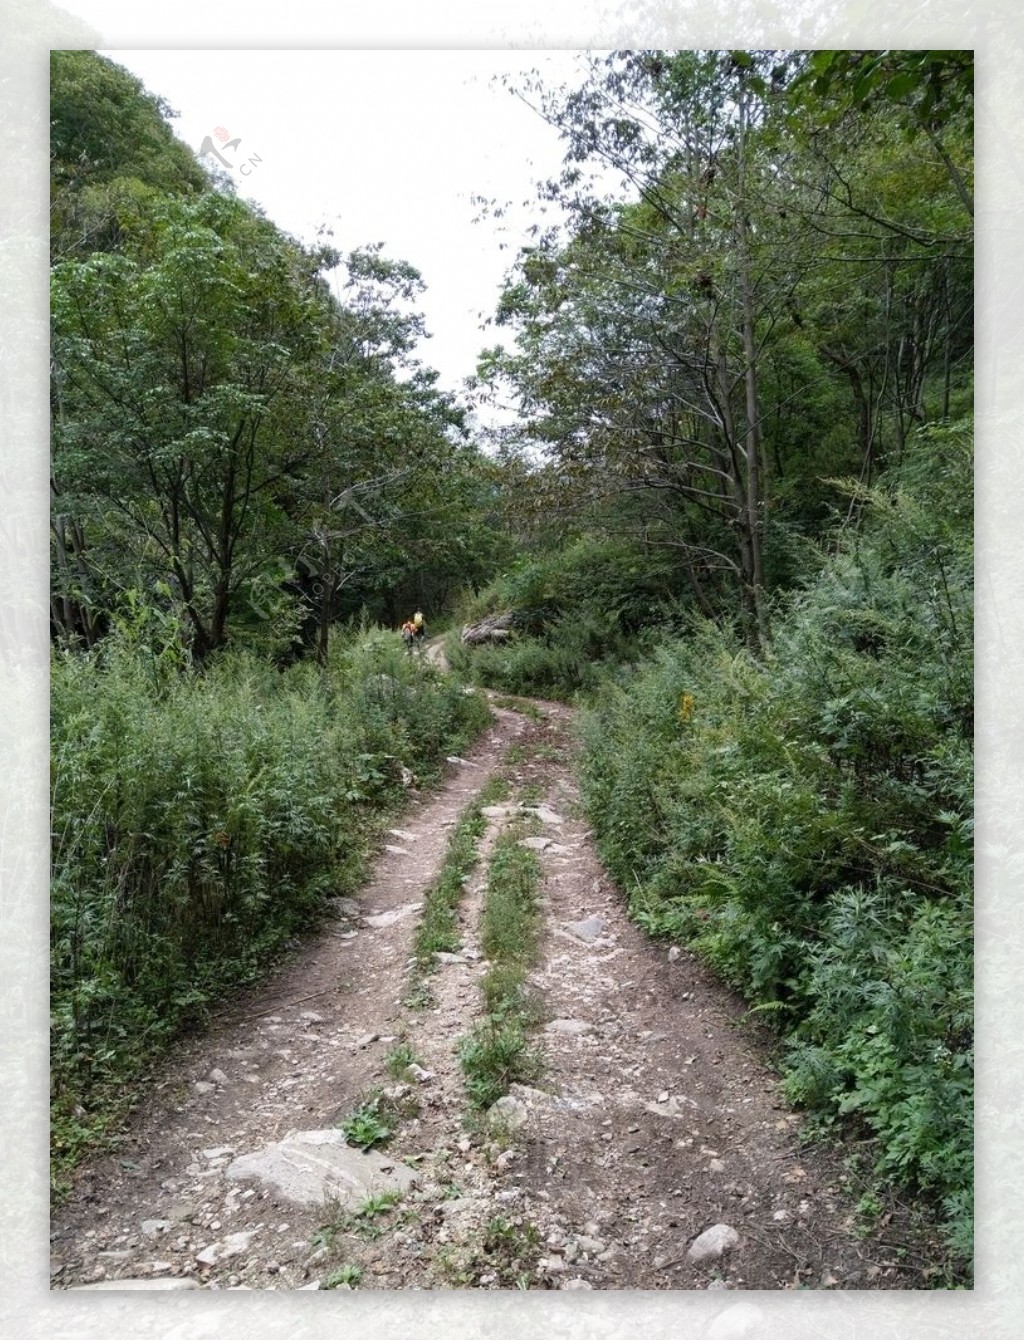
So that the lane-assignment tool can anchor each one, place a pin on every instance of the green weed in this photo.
(373, 1122)
(438, 929)
(498, 1052)
(805, 823)
(399, 1059)
(495, 1055)
(503, 1256)
(347, 1277)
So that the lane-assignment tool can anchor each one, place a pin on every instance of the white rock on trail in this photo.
(589, 931)
(545, 815)
(713, 1243)
(508, 1111)
(671, 1107)
(233, 1245)
(309, 1165)
(379, 920)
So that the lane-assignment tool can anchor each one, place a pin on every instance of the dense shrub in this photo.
(578, 612)
(622, 578)
(805, 822)
(568, 657)
(198, 822)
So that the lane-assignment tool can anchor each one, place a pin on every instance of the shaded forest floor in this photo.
(655, 1118)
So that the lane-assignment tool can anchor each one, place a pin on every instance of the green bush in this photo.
(805, 822)
(578, 612)
(200, 821)
(625, 580)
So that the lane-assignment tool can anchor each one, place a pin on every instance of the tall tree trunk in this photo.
(865, 429)
(329, 585)
(754, 502)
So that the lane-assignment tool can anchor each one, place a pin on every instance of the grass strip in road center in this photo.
(438, 930)
(497, 1052)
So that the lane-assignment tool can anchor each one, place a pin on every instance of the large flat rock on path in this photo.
(589, 931)
(309, 1165)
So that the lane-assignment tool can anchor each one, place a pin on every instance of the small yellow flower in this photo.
(686, 706)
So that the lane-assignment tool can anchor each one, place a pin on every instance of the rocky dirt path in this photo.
(653, 1153)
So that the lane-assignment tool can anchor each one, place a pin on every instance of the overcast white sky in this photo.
(387, 146)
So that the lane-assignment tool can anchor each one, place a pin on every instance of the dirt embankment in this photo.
(655, 1151)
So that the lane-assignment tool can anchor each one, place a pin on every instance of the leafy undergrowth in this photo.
(375, 1118)
(501, 1257)
(200, 823)
(375, 1216)
(805, 823)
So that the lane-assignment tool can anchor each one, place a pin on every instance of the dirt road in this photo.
(653, 1153)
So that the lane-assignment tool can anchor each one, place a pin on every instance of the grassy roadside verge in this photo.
(498, 1052)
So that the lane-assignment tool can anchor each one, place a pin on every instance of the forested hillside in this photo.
(232, 445)
(731, 524)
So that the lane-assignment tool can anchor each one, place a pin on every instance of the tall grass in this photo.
(200, 822)
(578, 611)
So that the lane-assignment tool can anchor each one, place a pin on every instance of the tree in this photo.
(676, 346)
(887, 139)
(232, 441)
(381, 438)
(172, 360)
(672, 299)
(106, 131)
